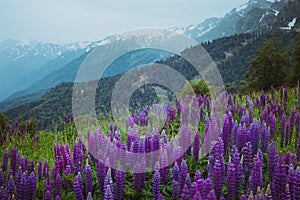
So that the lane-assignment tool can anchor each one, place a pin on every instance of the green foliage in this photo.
(294, 75)
(270, 67)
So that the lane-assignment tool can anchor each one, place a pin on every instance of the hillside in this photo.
(232, 55)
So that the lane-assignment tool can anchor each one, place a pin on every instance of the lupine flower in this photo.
(196, 146)
(88, 178)
(89, 196)
(194, 189)
(31, 181)
(58, 186)
(183, 173)
(13, 159)
(156, 185)
(197, 196)
(282, 129)
(11, 186)
(197, 175)
(211, 195)
(120, 180)
(48, 195)
(5, 160)
(268, 193)
(296, 194)
(272, 160)
(247, 162)
(231, 181)
(108, 195)
(256, 178)
(3, 194)
(217, 178)
(101, 172)
(109, 182)
(78, 187)
(175, 190)
(185, 194)
(280, 179)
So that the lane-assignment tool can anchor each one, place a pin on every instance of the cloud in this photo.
(66, 21)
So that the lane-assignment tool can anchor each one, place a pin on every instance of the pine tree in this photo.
(294, 75)
(270, 67)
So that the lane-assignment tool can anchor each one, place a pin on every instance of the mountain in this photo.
(253, 16)
(230, 52)
(67, 73)
(22, 64)
(232, 55)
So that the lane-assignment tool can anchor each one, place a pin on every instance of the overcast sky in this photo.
(81, 20)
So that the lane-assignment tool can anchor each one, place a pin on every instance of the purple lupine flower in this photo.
(272, 125)
(108, 195)
(161, 197)
(13, 159)
(188, 181)
(120, 180)
(256, 178)
(268, 193)
(31, 182)
(22, 187)
(40, 170)
(58, 185)
(282, 129)
(243, 197)
(101, 172)
(137, 177)
(298, 148)
(197, 175)
(3, 193)
(156, 185)
(176, 172)
(287, 136)
(185, 194)
(265, 136)
(109, 182)
(197, 196)
(211, 195)
(5, 160)
(201, 187)
(208, 186)
(78, 187)
(183, 174)
(266, 114)
(272, 161)
(164, 171)
(48, 195)
(287, 192)
(2, 178)
(226, 133)
(88, 178)
(296, 194)
(46, 169)
(11, 186)
(218, 178)
(194, 189)
(291, 180)
(175, 190)
(280, 179)
(89, 196)
(255, 135)
(196, 146)
(18, 177)
(247, 162)
(231, 181)
(236, 160)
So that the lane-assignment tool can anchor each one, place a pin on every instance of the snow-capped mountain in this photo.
(24, 64)
(252, 16)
